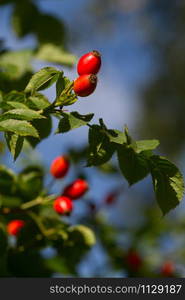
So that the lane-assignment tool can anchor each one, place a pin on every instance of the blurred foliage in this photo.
(132, 250)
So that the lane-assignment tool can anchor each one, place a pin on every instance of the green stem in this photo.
(37, 201)
(43, 230)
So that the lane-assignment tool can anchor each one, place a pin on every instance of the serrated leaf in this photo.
(66, 100)
(14, 104)
(168, 183)
(73, 120)
(61, 84)
(15, 143)
(42, 79)
(44, 127)
(116, 136)
(13, 99)
(134, 166)
(64, 92)
(145, 145)
(15, 96)
(22, 114)
(19, 127)
(100, 149)
(38, 102)
(53, 53)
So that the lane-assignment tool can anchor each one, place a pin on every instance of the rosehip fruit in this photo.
(89, 63)
(134, 260)
(63, 205)
(167, 269)
(85, 85)
(59, 167)
(76, 189)
(15, 226)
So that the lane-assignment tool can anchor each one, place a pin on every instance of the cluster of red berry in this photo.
(88, 66)
(63, 204)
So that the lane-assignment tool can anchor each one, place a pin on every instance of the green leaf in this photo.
(9, 201)
(15, 143)
(116, 136)
(22, 114)
(66, 99)
(22, 18)
(64, 92)
(44, 127)
(13, 104)
(146, 145)
(1, 96)
(19, 127)
(15, 96)
(54, 54)
(13, 99)
(82, 234)
(73, 120)
(16, 63)
(134, 166)
(168, 183)
(100, 149)
(61, 84)
(30, 182)
(38, 102)
(57, 265)
(42, 79)
(7, 181)
(4, 242)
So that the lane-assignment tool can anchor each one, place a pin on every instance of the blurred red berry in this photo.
(63, 205)
(134, 260)
(76, 189)
(15, 226)
(85, 85)
(167, 269)
(89, 63)
(59, 166)
(110, 198)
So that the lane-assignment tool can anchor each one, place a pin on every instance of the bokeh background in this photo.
(141, 84)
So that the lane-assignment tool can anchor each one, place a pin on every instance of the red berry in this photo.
(63, 205)
(89, 63)
(85, 85)
(15, 226)
(167, 269)
(76, 189)
(59, 167)
(111, 198)
(134, 260)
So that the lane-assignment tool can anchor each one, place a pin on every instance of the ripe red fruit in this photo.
(167, 269)
(134, 260)
(63, 205)
(89, 63)
(76, 189)
(15, 226)
(85, 85)
(59, 167)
